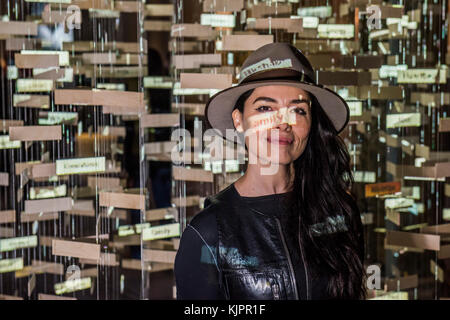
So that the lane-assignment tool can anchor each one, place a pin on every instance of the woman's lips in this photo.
(280, 140)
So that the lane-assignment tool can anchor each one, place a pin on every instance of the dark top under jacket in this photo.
(198, 266)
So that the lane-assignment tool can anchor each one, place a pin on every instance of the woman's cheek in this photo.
(301, 133)
(302, 127)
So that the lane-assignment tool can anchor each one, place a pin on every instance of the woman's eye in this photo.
(263, 108)
(299, 111)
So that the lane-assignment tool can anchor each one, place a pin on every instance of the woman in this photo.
(293, 232)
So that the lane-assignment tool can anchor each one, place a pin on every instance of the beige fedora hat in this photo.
(275, 64)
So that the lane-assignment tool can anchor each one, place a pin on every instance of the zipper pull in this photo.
(276, 291)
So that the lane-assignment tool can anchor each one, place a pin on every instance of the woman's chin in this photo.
(281, 160)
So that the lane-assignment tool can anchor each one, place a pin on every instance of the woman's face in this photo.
(279, 119)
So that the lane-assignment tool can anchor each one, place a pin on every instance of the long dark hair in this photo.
(326, 207)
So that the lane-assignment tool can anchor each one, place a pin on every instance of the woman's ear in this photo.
(237, 120)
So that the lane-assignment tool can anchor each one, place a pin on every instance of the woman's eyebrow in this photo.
(266, 99)
(300, 100)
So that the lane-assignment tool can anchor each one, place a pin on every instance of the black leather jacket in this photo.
(250, 258)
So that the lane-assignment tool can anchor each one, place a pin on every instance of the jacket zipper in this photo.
(304, 263)
(291, 269)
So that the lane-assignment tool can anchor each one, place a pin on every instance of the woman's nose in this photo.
(284, 126)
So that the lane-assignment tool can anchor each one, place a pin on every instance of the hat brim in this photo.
(220, 106)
